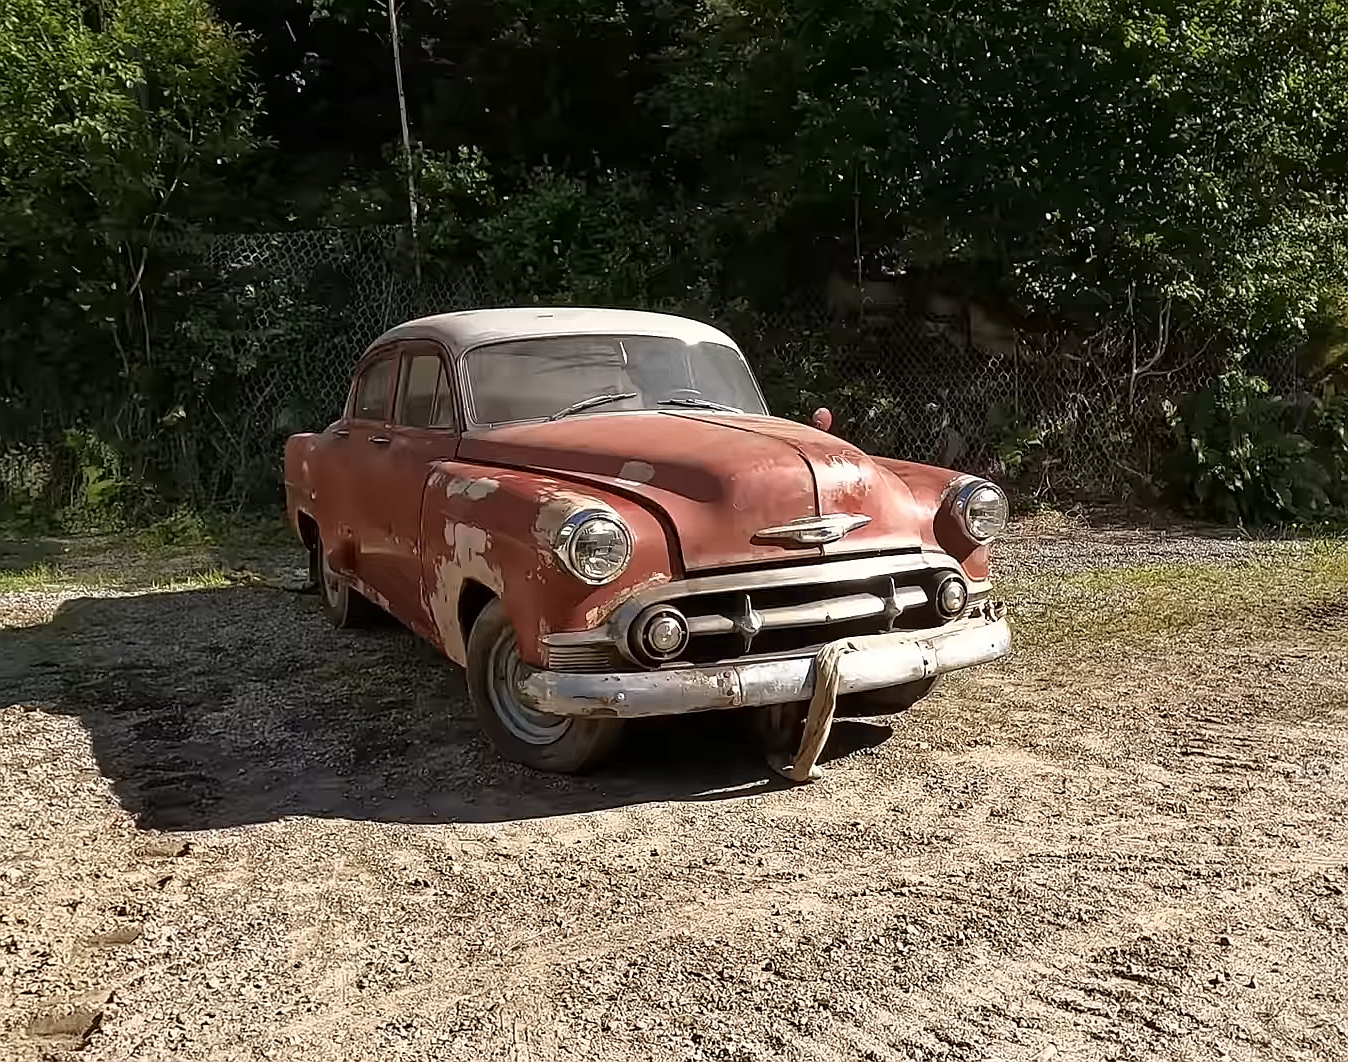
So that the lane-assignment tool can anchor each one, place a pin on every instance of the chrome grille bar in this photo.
(862, 595)
(813, 613)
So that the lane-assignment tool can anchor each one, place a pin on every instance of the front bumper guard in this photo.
(879, 661)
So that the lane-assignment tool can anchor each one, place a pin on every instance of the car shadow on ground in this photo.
(226, 707)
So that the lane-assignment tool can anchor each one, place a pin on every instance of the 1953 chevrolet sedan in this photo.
(594, 513)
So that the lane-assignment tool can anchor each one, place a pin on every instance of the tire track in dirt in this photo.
(530, 965)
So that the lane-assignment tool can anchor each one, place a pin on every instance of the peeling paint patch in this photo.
(472, 489)
(467, 556)
(554, 512)
(637, 472)
(846, 472)
(595, 616)
(366, 590)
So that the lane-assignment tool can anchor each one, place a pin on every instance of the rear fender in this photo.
(312, 489)
(298, 479)
(495, 527)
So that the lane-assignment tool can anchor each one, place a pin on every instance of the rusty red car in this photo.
(593, 512)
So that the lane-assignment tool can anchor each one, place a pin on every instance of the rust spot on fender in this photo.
(595, 616)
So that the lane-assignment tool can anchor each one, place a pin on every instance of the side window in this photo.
(372, 391)
(425, 399)
(442, 411)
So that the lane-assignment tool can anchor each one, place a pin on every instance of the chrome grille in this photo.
(748, 621)
(587, 659)
(779, 610)
(779, 619)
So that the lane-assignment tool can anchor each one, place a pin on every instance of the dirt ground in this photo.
(230, 832)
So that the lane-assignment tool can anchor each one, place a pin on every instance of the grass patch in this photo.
(42, 577)
(180, 554)
(35, 577)
(1142, 605)
(212, 579)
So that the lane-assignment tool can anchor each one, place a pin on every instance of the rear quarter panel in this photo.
(298, 464)
(314, 484)
(493, 527)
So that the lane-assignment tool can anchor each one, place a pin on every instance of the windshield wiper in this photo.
(591, 402)
(699, 403)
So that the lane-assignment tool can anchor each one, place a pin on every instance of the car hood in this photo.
(719, 480)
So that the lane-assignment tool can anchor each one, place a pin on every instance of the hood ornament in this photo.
(814, 530)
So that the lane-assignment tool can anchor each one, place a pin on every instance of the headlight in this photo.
(595, 546)
(982, 510)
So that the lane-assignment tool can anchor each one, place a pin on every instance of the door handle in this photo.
(380, 440)
(341, 433)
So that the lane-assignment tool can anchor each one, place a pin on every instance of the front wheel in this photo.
(564, 744)
(889, 700)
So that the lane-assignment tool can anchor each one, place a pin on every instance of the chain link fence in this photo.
(274, 323)
(1052, 415)
(282, 319)
(1049, 415)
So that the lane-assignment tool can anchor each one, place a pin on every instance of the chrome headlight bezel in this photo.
(960, 506)
(570, 538)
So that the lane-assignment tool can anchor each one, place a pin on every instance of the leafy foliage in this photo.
(1247, 456)
(116, 119)
(1072, 155)
(1170, 176)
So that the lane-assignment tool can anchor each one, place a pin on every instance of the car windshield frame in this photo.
(468, 398)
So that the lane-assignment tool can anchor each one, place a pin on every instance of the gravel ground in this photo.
(1086, 541)
(229, 832)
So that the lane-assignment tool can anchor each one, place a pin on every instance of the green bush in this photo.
(117, 122)
(1328, 432)
(1247, 456)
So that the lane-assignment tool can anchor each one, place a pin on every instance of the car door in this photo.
(424, 429)
(364, 435)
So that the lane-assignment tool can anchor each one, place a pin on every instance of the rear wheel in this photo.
(564, 744)
(343, 605)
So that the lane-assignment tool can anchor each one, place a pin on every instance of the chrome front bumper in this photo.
(881, 660)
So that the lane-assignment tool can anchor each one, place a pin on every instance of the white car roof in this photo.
(471, 328)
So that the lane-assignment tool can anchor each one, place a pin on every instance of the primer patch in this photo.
(637, 472)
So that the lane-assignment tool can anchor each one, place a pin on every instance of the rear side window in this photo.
(425, 399)
(372, 391)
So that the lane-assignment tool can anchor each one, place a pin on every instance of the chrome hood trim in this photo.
(813, 530)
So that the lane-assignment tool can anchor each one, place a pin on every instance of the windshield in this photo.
(533, 379)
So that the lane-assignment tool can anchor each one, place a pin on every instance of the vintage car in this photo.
(593, 512)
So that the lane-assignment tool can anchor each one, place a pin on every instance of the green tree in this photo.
(1086, 155)
(117, 121)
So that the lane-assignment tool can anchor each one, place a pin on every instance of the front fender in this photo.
(493, 527)
(930, 486)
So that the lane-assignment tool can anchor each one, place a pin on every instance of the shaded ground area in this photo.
(230, 832)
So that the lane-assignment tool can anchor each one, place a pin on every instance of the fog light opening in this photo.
(952, 596)
(661, 634)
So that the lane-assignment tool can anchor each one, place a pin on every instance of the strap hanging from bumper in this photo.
(804, 766)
